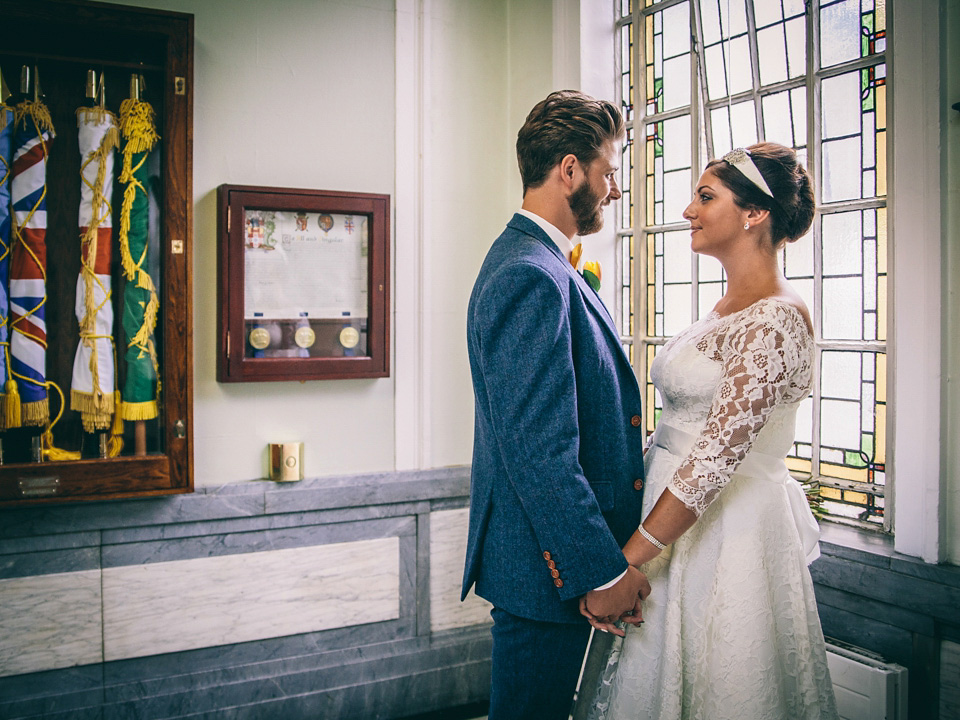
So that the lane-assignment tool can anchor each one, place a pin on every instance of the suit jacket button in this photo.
(558, 582)
(546, 555)
(554, 573)
(638, 484)
(635, 421)
(551, 564)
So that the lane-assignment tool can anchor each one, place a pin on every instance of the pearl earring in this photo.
(746, 226)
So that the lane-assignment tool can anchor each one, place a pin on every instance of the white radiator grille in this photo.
(866, 687)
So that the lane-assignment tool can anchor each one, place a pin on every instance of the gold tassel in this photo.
(36, 413)
(117, 429)
(146, 410)
(115, 444)
(12, 410)
(137, 125)
(36, 111)
(3, 415)
(54, 453)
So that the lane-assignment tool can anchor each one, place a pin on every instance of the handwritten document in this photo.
(298, 262)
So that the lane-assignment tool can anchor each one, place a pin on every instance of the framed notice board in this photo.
(302, 284)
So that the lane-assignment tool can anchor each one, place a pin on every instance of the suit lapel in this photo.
(525, 225)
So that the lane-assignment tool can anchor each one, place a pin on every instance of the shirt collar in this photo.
(563, 243)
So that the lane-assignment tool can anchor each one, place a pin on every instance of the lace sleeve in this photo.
(766, 361)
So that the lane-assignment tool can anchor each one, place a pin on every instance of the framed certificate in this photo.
(302, 284)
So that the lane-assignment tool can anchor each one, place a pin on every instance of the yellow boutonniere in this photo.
(591, 272)
(575, 256)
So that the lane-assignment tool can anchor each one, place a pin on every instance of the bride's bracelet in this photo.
(653, 541)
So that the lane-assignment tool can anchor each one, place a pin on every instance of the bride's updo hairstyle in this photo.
(792, 205)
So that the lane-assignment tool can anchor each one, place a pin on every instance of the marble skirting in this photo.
(50, 621)
(166, 607)
(313, 599)
(448, 547)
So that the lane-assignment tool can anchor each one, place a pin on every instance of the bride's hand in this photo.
(607, 627)
(645, 588)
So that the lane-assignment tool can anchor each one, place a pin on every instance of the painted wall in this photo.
(291, 95)
(950, 93)
(301, 93)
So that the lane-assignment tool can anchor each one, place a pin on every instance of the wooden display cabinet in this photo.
(62, 40)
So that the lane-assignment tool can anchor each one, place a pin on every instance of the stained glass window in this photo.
(718, 74)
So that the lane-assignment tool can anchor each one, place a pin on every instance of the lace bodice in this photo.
(734, 382)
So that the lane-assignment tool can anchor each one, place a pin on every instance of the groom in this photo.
(557, 475)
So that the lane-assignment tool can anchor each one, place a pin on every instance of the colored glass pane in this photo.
(852, 422)
(626, 180)
(626, 74)
(653, 316)
(853, 124)
(798, 458)
(652, 396)
(626, 283)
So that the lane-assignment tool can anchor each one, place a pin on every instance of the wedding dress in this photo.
(731, 628)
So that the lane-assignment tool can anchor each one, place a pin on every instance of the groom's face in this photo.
(597, 189)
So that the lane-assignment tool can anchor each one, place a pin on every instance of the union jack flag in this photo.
(28, 263)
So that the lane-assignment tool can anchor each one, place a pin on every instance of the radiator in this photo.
(867, 688)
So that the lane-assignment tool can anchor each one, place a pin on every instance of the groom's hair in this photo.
(565, 122)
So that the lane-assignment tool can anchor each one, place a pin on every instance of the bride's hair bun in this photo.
(792, 205)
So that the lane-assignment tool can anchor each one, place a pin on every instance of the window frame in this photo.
(634, 338)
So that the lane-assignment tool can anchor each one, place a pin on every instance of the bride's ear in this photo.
(756, 215)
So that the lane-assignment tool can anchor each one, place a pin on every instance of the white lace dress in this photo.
(731, 627)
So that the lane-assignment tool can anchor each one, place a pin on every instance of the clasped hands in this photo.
(620, 602)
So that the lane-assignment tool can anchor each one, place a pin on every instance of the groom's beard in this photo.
(587, 209)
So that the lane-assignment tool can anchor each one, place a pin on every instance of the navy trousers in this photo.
(535, 667)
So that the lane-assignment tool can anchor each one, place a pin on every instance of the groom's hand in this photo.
(622, 601)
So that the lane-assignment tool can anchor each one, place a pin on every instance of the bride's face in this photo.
(715, 218)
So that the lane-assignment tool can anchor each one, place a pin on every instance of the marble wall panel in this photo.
(49, 621)
(187, 604)
(448, 547)
(949, 680)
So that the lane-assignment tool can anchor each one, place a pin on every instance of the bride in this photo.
(730, 627)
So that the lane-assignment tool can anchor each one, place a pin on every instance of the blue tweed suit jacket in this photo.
(558, 444)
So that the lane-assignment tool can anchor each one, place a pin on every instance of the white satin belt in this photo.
(768, 468)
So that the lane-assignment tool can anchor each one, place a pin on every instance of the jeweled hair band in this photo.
(741, 160)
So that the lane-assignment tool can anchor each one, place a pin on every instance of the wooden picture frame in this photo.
(302, 284)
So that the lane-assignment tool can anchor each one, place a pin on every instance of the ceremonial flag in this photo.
(94, 379)
(6, 149)
(140, 302)
(28, 266)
